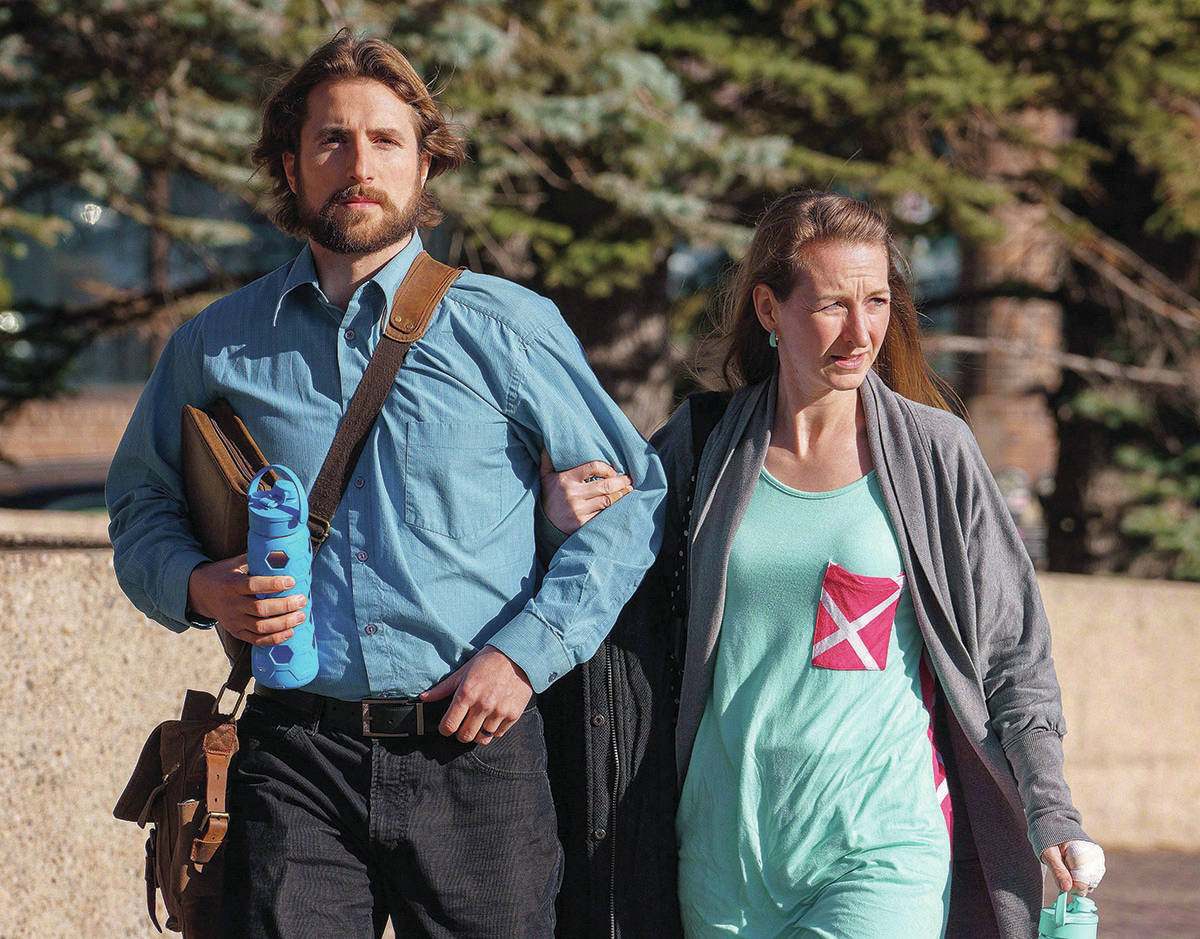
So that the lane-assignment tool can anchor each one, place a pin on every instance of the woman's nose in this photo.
(855, 329)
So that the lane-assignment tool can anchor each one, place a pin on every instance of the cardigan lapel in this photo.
(907, 478)
(900, 480)
(725, 480)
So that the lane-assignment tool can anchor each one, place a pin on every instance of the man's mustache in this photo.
(354, 193)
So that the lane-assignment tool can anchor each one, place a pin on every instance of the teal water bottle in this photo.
(278, 543)
(1074, 920)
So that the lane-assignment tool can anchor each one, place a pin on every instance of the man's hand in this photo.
(1078, 866)
(224, 591)
(490, 694)
(574, 496)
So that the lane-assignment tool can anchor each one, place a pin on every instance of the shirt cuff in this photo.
(175, 591)
(536, 647)
(1037, 761)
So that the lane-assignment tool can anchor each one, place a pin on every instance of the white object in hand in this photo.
(1085, 861)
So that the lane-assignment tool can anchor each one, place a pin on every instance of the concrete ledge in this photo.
(87, 677)
(32, 528)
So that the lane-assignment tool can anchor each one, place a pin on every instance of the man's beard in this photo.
(344, 231)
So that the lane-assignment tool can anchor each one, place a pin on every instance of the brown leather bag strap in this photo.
(239, 677)
(151, 875)
(416, 299)
(219, 747)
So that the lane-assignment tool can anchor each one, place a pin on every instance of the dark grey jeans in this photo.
(330, 834)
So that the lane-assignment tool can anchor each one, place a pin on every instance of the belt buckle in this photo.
(366, 716)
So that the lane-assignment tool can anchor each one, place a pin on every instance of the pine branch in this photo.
(1081, 364)
(1123, 268)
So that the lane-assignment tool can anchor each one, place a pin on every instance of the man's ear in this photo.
(426, 160)
(289, 169)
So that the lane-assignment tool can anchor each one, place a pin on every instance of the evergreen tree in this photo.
(1001, 123)
(115, 99)
(605, 133)
(589, 165)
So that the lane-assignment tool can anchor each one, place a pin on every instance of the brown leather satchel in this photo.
(178, 784)
(178, 788)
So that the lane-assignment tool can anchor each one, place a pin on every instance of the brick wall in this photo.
(71, 429)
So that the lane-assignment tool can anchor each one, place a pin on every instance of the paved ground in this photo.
(1144, 896)
(1150, 896)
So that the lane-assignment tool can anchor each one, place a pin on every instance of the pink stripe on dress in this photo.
(929, 690)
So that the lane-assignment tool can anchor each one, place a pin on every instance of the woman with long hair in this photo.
(830, 709)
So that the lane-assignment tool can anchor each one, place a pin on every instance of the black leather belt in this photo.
(370, 717)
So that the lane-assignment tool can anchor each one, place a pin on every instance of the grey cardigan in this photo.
(980, 614)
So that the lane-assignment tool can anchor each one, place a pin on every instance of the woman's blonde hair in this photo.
(792, 223)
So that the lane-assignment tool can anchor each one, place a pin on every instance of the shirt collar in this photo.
(388, 278)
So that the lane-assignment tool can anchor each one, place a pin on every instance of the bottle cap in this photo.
(280, 509)
(1071, 917)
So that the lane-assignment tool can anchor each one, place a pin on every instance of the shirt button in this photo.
(553, 676)
(597, 720)
(349, 334)
(359, 482)
(370, 629)
(599, 834)
(362, 555)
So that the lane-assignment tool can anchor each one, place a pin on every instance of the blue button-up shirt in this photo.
(431, 554)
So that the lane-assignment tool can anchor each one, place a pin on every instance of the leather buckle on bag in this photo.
(318, 530)
(367, 731)
(210, 818)
(217, 713)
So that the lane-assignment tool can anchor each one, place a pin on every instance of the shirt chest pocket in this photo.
(854, 620)
(459, 477)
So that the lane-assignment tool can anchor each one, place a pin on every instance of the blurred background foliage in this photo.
(620, 152)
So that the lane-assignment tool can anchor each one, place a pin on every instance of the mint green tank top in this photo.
(813, 764)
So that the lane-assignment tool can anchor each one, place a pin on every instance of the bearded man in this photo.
(427, 597)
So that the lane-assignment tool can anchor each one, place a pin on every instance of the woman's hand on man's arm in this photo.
(574, 496)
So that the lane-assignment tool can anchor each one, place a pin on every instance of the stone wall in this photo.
(1128, 659)
(88, 677)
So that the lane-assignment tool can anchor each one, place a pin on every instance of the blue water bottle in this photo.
(279, 543)
(1075, 919)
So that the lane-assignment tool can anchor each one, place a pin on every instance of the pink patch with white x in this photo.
(854, 620)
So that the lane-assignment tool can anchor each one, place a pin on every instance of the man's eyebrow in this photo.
(384, 131)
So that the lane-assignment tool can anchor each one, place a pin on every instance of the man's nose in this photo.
(362, 163)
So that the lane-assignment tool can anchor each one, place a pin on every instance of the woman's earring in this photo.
(774, 343)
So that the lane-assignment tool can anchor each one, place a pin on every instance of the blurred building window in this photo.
(107, 253)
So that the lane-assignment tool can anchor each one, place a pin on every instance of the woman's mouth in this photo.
(850, 362)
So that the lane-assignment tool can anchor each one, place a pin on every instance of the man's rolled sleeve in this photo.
(596, 569)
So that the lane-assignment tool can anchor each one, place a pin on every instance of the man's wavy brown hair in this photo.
(348, 57)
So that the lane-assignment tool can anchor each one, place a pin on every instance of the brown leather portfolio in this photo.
(219, 458)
